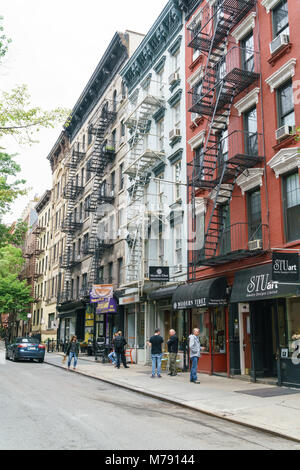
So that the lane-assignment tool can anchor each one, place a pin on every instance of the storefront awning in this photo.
(256, 284)
(200, 294)
(163, 293)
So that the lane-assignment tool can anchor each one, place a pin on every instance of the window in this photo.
(247, 46)
(176, 116)
(121, 176)
(120, 271)
(123, 90)
(160, 84)
(114, 138)
(122, 128)
(280, 19)
(87, 204)
(177, 180)
(90, 135)
(198, 159)
(291, 194)
(222, 138)
(176, 63)
(110, 272)
(84, 281)
(88, 170)
(115, 101)
(178, 247)
(254, 215)
(225, 240)
(250, 126)
(51, 319)
(293, 325)
(83, 143)
(160, 134)
(285, 104)
(100, 274)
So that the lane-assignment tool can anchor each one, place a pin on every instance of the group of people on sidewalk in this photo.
(155, 342)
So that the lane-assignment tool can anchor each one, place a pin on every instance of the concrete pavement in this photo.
(263, 407)
(42, 407)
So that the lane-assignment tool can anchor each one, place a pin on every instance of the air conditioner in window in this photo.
(178, 268)
(279, 42)
(284, 131)
(255, 245)
(174, 134)
(174, 77)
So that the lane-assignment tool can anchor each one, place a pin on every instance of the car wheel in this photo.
(15, 358)
(6, 356)
(41, 361)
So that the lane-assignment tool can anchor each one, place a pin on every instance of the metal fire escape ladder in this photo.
(212, 103)
(140, 162)
(99, 163)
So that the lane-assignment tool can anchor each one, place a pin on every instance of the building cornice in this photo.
(111, 62)
(43, 201)
(250, 100)
(269, 4)
(285, 160)
(156, 41)
(197, 140)
(282, 75)
(244, 28)
(250, 179)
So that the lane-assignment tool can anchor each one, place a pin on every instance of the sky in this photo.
(56, 45)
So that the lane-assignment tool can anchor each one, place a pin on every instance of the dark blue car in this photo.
(25, 348)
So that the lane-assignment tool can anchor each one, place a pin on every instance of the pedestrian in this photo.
(173, 351)
(155, 343)
(112, 355)
(72, 352)
(119, 347)
(195, 354)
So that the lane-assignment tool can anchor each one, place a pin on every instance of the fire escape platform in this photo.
(144, 162)
(229, 257)
(146, 107)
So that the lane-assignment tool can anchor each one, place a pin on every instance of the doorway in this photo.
(247, 342)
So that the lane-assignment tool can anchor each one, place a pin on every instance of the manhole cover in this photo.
(269, 392)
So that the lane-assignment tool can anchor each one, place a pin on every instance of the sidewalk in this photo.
(264, 407)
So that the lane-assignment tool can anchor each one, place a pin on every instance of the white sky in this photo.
(56, 46)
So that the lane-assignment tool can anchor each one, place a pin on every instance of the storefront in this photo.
(205, 305)
(71, 322)
(166, 319)
(265, 321)
(134, 322)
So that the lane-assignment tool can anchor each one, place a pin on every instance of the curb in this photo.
(182, 405)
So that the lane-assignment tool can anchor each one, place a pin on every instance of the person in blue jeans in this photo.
(73, 352)
(155, 343)
(195, 354)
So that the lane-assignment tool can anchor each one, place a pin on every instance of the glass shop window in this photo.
(201, 320)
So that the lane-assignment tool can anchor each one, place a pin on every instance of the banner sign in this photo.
(99, 292)
(130, 299)
(285, 267)
(107, 306)
(159, 274)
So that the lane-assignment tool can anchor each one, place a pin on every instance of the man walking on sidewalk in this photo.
(155, 343)
(195, 354)
(173, 351)
(119, 346)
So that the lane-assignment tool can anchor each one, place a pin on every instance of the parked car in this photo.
(25, 348)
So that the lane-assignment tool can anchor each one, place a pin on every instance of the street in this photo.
(43, 407)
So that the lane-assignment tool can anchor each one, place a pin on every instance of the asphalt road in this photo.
(43, 407)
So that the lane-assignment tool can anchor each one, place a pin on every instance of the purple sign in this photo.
(107, 306)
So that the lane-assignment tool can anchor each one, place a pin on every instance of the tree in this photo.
(20, 120)
(15, 295)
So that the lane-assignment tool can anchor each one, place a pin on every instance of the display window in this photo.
(293, 324)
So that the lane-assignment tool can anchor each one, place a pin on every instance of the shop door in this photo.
(247, 342)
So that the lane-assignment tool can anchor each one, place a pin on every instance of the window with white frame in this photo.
(161, 135)
(178, 247)
(160, 83)
(177, 180)
(176, 116)
(176, 62)
(280, 19)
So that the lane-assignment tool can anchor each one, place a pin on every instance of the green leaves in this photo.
(22, 120)
(15, 296)
(4, 41)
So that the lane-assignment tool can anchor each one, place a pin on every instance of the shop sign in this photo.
(198, 303)
(131, 299)
(257, 284)
(285, 267)
(107, 306)
(99, 292)
(159, 274)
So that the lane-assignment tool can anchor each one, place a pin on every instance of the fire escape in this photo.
(227, 152)
(30, 272)
(140, 160)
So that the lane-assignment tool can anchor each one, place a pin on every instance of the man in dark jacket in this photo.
(119, 343)
(173, 351)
